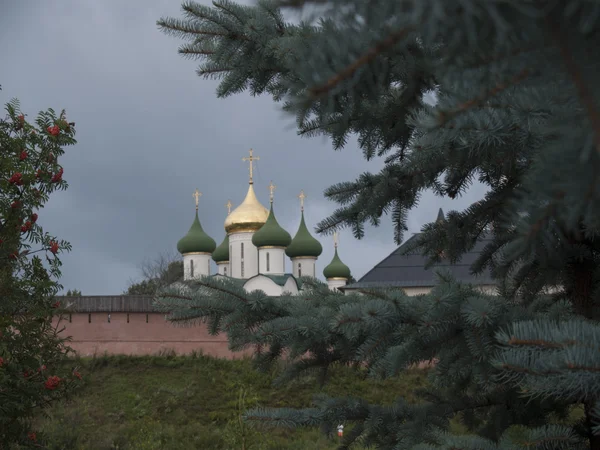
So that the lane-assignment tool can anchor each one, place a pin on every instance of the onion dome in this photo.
(271, 234)
(336, 268)
(249, 216)
(303, 243)
(196, 240)
(221, 253)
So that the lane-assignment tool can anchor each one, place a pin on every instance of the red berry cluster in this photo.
(26, 226)
(1, 361)
(52, 382)
(54, 247)
(54, 130)
(58, 176)
(16, 179)
(23, 155)
(31, 436)
(29, 224)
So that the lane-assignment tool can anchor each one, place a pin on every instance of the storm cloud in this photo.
(150, 131)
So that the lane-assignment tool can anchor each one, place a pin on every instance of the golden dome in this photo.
(249, 216)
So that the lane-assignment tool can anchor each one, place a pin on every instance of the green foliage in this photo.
(144, 287)
(162, 271)
(31, 350)
(73, 293)
(172, 402)
(516, 109)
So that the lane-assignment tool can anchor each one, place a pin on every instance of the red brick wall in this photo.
(138, 337)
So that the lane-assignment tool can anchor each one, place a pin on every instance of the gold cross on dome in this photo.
(335, 239)
(251, 159)
(302, 196)
(271, 190)
(197, 194)
(228, 205)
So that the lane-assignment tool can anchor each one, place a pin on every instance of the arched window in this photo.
(191, 268)
(242, 253)
(242, 269)
(268, 262)
(208, 267)
(299, 269)
(225, 270)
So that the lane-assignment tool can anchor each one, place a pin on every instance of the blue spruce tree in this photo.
(516, 108)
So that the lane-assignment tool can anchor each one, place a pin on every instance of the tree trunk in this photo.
(581, 295)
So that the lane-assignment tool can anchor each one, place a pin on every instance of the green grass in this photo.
(174, 402)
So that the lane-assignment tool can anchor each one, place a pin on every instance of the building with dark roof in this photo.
(406, 269)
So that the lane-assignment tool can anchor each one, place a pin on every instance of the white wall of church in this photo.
(290, 286)
(490, 289)
(243, 255)
(271, 260)
(196, 265)
(304, 267)
(335, 283)
(223, 269)
(265, 284)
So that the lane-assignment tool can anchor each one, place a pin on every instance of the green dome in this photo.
(221, 254)
(271, 234)
(196, 240)
(303, 243)
(336, 268)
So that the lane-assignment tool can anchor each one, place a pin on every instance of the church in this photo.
(255, 248)
(255, 252)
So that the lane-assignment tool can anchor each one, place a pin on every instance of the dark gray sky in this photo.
(150, 131)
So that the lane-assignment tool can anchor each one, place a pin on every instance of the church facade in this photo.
(255, 248)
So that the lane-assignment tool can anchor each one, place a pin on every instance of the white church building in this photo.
(256, 249)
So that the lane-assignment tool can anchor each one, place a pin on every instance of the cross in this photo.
(229, 205)
(335, 239)
(197, 194)
(302, 197)
(271, 189)
(251, 159)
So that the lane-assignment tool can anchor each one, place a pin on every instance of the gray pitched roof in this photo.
(408, 270)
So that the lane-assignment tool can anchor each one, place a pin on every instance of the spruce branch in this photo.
(586, 96)
(445, 116)
(384, 45)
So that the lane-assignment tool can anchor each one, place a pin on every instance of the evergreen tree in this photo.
(517, 108)
(33, 352)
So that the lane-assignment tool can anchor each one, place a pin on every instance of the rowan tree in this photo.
(33, 352)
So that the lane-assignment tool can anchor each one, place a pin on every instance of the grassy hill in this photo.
(172, 402)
